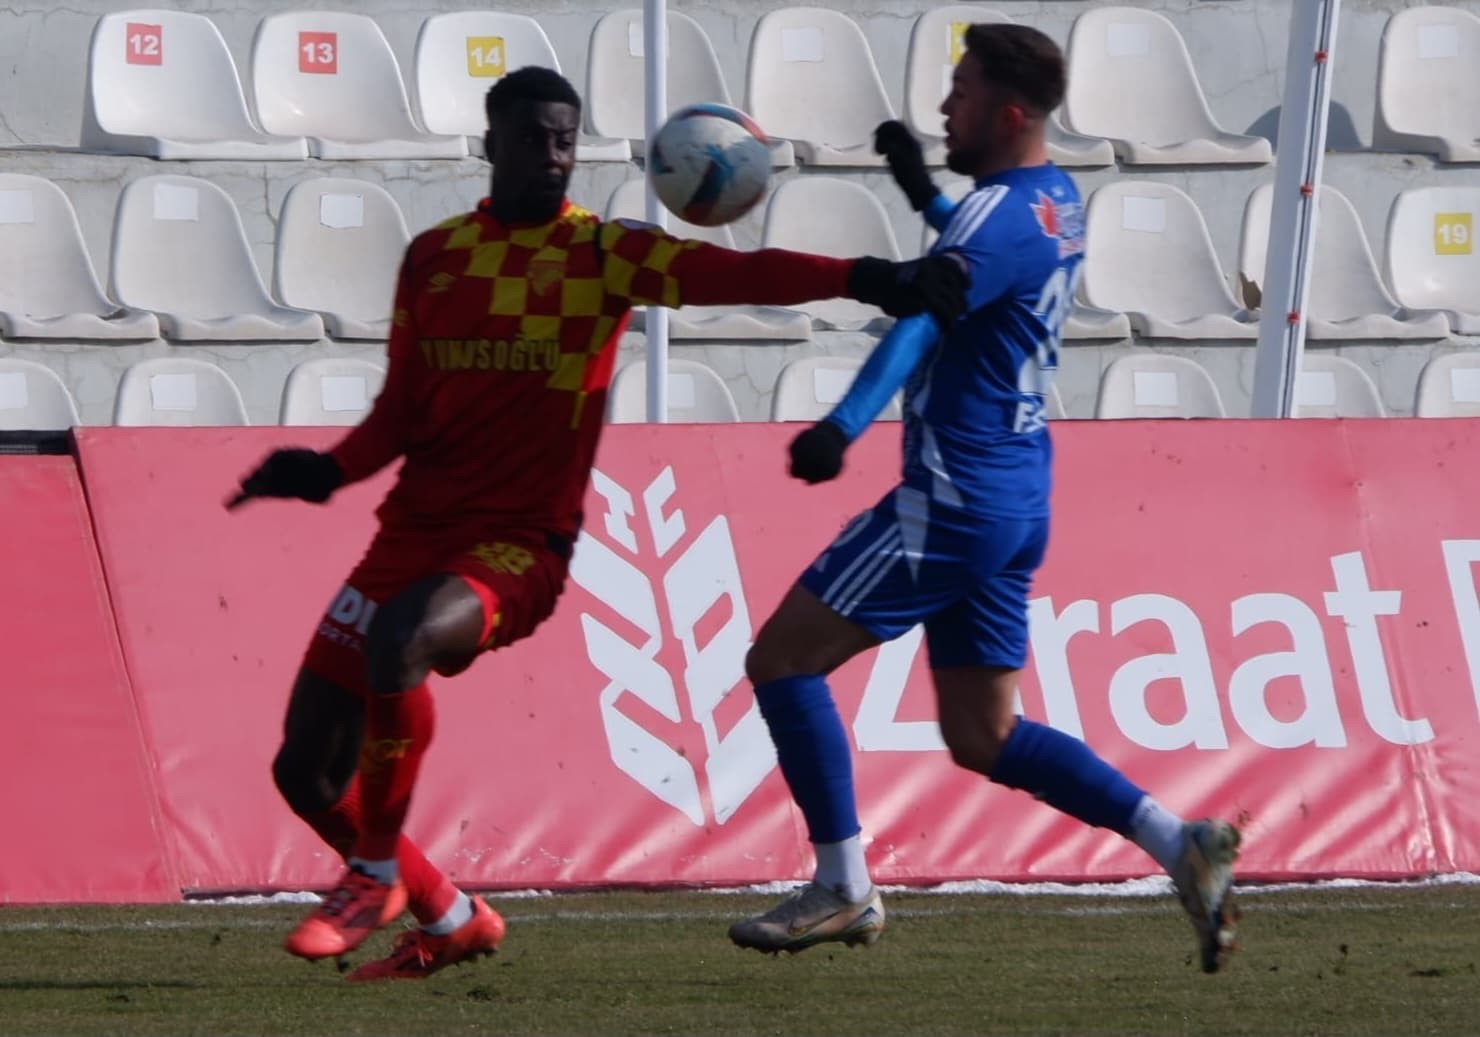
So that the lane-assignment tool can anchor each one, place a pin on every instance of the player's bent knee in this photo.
(436, 625)
(397, 653)
(971, 755)
(765, 662)
(303, 786)
(976, 747)
(453, 665)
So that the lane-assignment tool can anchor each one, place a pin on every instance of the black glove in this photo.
(296, 473)
(817, 453)
(934, 284)
(906, 160)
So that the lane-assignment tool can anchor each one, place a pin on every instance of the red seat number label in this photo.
(144, 44)
(318, 53)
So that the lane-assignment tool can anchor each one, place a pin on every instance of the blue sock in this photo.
(814, 753)
(1067, 775)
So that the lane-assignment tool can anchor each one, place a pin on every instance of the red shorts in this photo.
(517, 574)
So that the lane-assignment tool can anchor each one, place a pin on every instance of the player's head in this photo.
(534, 115)
(1009, 79)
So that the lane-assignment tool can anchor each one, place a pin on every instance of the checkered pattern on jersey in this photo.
(571, 281)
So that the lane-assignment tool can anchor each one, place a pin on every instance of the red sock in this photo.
(398, 729)
(429, 892)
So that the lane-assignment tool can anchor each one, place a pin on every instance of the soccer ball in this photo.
(710, 164)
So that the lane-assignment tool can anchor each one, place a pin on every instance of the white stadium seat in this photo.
(1053, 404)
(832, 217)
(339, 247)
(615, 106)
(1157, 385)
(1428, 96)
(628, 201)
(695, 394)
(330, 391)
(460, 54)
(178, 391)
(1432, 259)
(330, 76)
(33, 398)
(1088, 323)
(1449, 387)
(809, 387)
(162, 84)
(1348, 300)
(1067, 148)
(1131, 80)
(821, 57)
(935, 48)
(1334, 387)
(1150, 257)
(48, 286)
(179, 251)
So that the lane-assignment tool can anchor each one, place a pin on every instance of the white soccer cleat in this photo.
(1204, 880)
(813, 914)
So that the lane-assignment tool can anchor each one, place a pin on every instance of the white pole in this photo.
(1292, 230)
(655, 81)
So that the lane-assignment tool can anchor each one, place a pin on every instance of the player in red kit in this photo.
(503, 340)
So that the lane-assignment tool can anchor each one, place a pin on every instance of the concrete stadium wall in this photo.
(1239, 48)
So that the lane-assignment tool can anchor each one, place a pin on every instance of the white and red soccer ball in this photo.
(709, 164)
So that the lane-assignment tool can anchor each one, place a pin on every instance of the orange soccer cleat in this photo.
(418, 953)
(357, 907)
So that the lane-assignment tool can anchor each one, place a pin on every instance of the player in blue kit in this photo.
(954, 546)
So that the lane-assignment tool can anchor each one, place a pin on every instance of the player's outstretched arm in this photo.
(817, 452)
(906, 159)
(672, 272)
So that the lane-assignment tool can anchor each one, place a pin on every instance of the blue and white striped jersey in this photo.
(976, 437)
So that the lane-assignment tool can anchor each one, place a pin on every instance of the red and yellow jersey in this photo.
(502, 346)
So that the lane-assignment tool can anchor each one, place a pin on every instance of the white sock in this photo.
(457, 915)
(1158, 831)
(841, 867)
(384, 872)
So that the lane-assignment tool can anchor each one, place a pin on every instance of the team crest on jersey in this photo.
(544, 274)
(1061, 220)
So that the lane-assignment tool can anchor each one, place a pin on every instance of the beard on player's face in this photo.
(973, 111)
(965, 161)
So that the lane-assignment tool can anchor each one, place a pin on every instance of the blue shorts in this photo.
(966, 577)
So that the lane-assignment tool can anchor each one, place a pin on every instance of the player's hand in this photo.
(817, 453)
(906, 160)
(934, 284)
(294, 473)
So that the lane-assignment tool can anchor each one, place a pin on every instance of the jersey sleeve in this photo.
(982, 232)
(380, 438)
(650, 267)
(938, 213)
(888, 367)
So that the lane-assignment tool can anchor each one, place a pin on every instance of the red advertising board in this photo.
(1275, 622)
(78, 808)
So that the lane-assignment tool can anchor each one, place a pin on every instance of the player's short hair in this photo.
(530, 83)
(1021, 59)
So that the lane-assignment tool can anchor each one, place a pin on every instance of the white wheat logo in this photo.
(701, 575)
